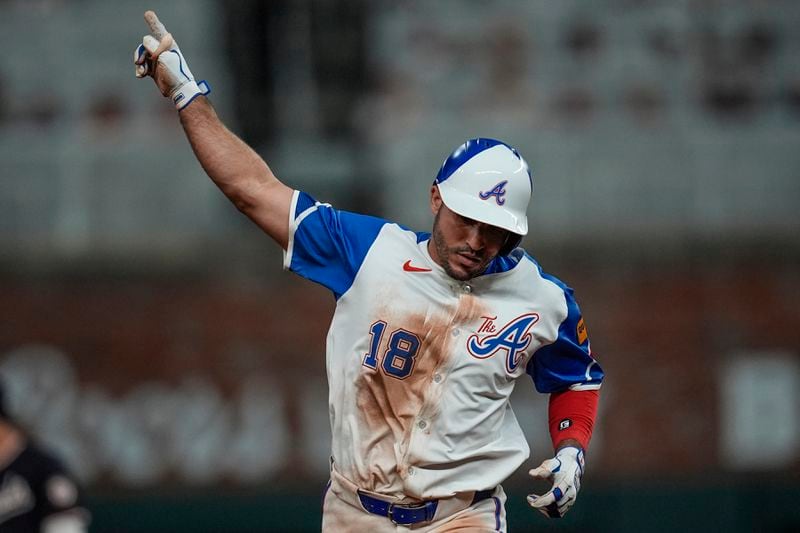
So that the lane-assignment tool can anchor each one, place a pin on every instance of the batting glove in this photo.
(160, 58)
(565, 471)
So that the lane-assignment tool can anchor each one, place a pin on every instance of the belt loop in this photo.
(430, 510)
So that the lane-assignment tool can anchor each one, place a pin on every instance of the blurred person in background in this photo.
(423, 432)
(37, 494)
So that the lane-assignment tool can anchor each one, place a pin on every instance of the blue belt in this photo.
(410, 514)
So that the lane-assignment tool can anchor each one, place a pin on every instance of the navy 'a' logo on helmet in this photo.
(497, 192)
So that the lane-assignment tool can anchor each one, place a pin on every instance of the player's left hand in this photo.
(565, 471)
(160, 58)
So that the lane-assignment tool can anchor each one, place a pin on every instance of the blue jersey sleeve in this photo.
(326, 245)
(567, 362)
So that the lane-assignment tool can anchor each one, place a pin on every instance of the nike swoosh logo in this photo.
(408, 267)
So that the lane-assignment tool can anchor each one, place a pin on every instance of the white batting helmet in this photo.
(488, 181)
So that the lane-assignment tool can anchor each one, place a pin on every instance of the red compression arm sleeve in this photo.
(571, 416)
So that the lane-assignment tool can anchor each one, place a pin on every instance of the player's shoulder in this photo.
(519, 260)
(540, 273)
(303, 205)
(380, 227)
(533, 280)
(406, 234)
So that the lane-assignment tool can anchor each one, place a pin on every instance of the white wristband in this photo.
(187, 92)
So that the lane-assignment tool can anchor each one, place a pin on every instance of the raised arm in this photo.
(239, 172)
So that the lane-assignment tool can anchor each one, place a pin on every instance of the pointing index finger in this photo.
(157, 29)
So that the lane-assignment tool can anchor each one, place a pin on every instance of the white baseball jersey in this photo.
(421, 366)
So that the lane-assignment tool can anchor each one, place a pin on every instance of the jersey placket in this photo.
(427, 413)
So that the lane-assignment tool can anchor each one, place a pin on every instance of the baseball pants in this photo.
(342, 512)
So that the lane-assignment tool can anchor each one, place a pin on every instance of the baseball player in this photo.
(37, 495)
(430, 331)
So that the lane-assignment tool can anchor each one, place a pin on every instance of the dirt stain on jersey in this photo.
(390, 406)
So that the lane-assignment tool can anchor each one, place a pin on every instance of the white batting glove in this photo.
(565, 471)
(160, 58)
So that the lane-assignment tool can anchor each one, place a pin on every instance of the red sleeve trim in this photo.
(571, 416)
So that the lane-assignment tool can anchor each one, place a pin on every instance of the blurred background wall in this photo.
(150, 337)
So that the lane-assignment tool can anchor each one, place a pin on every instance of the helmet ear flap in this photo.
(512, 241)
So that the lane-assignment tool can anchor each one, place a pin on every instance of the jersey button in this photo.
(422, 424)
(410, 470)
(456, 332)
(467, 288)
(437, 378)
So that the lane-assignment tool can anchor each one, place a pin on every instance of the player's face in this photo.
(461, 246)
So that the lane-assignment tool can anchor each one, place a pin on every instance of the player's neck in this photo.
(433, 253)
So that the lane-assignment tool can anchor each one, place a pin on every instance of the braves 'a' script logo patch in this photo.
(513, 338)
(408, 267)
(497, 192)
